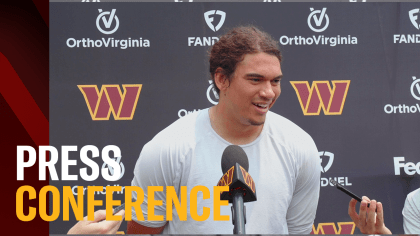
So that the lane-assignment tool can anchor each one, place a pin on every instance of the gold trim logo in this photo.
(330, 228)
(321, 95)
(111, 100)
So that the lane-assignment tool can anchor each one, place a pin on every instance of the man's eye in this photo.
(276, 81)
(256, 80)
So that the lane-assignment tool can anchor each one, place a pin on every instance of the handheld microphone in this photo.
(241, 185)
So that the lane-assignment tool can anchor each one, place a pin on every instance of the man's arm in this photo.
(135, 228)
(158, 165)
(411, 213)
(302, 209)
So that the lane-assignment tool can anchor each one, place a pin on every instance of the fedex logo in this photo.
(330, 228)
(409, 168)
(321, 95)
(111, 100)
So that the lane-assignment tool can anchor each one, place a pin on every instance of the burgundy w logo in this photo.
(330, 228)
(320, 95)
(111, 99)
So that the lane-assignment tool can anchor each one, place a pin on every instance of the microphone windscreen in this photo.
(234, 154)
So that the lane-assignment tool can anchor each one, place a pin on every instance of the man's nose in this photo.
(267, 91)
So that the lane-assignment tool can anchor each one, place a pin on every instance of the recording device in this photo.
(118, 208)
(346, 191)
(241, 185)
(121, 207)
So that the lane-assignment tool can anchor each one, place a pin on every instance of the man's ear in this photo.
(220, 79)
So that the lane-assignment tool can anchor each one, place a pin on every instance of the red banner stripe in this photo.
(22, 103)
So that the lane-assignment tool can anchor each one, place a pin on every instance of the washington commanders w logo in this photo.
(330, 228)
(320, 95)
(111, 99)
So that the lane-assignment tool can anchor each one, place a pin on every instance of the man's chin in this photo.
(257, 123)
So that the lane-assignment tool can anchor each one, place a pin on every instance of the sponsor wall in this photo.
(121, 72)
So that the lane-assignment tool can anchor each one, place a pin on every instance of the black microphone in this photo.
(241, 185)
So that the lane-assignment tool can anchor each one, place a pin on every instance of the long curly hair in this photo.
(235, 44)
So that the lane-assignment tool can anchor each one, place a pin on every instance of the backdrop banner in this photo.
(120, 72)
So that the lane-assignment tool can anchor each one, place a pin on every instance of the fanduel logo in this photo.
(111, 99)
(316, 23)
(209, 18)
(329, 163)
(330, 228)
(320, 95)
(403, 108)
(105, 24)
(414, 17)
(325, 167)
(410, 38)
(409, 168)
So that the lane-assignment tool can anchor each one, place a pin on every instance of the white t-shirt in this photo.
(283, 161)
(411, 213)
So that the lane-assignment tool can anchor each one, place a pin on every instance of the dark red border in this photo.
(24, 102)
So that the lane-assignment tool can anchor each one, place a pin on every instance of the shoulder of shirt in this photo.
(180, 133)
(282, 128)
(414, 195)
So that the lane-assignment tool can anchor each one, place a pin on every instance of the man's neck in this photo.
(230, 129)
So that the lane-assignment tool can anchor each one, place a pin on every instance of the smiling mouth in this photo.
(262, 106)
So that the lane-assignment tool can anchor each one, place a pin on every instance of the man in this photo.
(370, 222)
(283, 159)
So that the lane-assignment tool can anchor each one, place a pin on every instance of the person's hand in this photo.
(368, 221)
(97, 226)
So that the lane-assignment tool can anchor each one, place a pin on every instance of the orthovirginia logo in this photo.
(209, 18)
(415, 88)
(318, 21)
(212, 95)
(410, 38)
(111, 99)
(320, 95)
(404, 108)
(105, 24)
(110, 169)
(330, 228)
